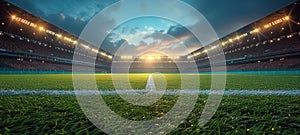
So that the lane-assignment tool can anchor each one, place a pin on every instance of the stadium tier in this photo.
(149, 63)
(272, 42)
(29, 43)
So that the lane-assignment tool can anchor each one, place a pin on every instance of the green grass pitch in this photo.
(45, 114)
(138, 81)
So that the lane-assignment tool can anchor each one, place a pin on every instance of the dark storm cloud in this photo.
(227, 16)
(111, 46)
(181, 32)
(77, 13)
(178, 31)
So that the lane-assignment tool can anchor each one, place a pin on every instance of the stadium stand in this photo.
(272, 42)
(144, 64)
(29, 43)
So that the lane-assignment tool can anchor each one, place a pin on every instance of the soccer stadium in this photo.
(40, 63)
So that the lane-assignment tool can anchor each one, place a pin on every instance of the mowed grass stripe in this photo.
(138, 81)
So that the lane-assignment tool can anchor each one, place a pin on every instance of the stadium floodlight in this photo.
(95, 50)
(102, 53)
(41, 28)
(126, 57)
(13, 17)
(213, 47)
(75, 42)
(175, 57)
(85, 46)
(68, 39)
(190, 56)
(256, 30)
(287, 18)
(196, 54)
(59, 35)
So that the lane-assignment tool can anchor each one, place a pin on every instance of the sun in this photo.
(150, 58)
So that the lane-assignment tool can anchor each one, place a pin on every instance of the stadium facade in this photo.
(28, 43)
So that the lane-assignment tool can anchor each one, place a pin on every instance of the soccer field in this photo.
(138, 81)
(237, 114)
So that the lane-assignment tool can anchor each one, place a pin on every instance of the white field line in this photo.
(137, 92)
(150, 83)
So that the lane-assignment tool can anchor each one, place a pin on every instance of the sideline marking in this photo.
(136, 92)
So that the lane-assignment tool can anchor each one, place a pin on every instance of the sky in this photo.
(143, 34)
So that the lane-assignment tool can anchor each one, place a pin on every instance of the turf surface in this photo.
(235, 115)
(32, 114)
(138, 81)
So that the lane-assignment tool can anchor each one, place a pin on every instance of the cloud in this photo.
(226, 17)
(178, 40)
(134, 36)
(71, 15)
(126, 49)
(74, 25)
(134, 30)
(178, 31)
(143, 43)
(110, 45)
(178, 34)
(157, 35)
(62, 16)
(162, 42)
(124, 30)
(149, 28)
